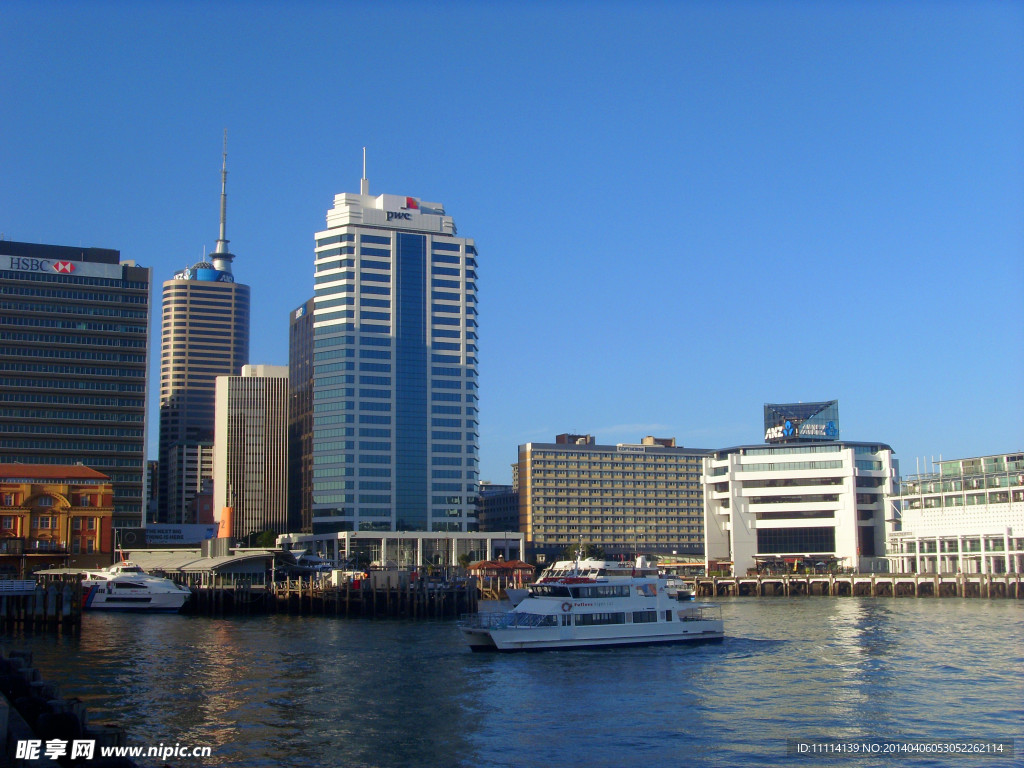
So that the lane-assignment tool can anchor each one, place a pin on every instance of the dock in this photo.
(381, 598)
(985, 585)
(56, 605)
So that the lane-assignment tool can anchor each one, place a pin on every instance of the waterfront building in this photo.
(204, 334)
(404, 549)
(300, 419)
(968, 517)
(73, 364)
(250, 457)
(803, 499)
(53, 515)
(394, 368)
(626, 498)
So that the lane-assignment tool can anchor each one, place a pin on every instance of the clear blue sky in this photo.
(682, 210)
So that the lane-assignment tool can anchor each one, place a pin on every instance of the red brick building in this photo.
(53, 516)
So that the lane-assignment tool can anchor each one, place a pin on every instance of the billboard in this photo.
(801, 422)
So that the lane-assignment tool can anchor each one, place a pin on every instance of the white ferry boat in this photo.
(124, 586)
(594, 603)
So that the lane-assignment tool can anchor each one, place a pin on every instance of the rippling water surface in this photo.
(273, 691)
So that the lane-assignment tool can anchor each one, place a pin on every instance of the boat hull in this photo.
(507, 640)
(169, 602)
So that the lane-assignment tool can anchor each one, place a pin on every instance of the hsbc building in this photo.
(73, 373)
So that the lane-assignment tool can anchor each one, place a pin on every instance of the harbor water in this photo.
(318, 691)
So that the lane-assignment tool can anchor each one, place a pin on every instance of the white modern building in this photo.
(250, 456)
(796, 506)
(803, 500)
(394, 368)
(966, 518)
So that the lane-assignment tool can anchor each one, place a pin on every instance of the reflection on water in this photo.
(268, 691)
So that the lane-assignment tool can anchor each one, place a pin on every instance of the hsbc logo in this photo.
(41, 265)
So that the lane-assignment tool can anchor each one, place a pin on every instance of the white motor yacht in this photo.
(592, 603)
(124, 586)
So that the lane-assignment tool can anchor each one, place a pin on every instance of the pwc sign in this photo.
(26, 264)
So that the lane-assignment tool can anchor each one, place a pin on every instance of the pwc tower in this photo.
(395, 428)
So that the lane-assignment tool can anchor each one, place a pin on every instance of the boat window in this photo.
(551, 590)
(515, 619)
(605, 590)
(644, 617)
(128, 585)
(593, 619)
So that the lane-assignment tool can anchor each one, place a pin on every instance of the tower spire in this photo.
(221, 256)
(364, 183)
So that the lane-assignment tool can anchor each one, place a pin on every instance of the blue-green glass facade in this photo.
(394, 370)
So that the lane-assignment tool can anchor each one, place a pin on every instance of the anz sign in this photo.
(792, 430)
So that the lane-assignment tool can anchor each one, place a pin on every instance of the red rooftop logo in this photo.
(64, 266)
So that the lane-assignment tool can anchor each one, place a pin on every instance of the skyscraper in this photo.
(250, 458)
(204, 334)
(73, 346)
(394, 368)
(300, 419)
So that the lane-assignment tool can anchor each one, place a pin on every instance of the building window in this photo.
(8, 499)
(76, 523)
(90, 523)
(8, 523)
(44, 501)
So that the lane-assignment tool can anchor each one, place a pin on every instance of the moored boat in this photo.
(594, 603)
(124, 586)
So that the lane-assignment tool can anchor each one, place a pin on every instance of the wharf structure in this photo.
(968, 517)
(405, 549)
(805, 500)
(395, 424)
(624, 498)
(73, 364)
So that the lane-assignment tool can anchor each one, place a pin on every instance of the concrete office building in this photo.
(803, 499)
(394, 368)
(73, 364)
(300, 419)
(250, 456)
(204, 334)
(626, 498)
(968, 517)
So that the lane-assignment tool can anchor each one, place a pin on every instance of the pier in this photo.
(986, 585)
(368, 598)
(55, 605)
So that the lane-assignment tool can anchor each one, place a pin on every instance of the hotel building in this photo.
(966, 518)
(804, 499)
(73, 372)
(204, 334)
(394, 368)
(250, 456)
(626, 498)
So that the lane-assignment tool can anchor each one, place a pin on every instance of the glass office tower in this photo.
(74, 327)
(394, 368)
